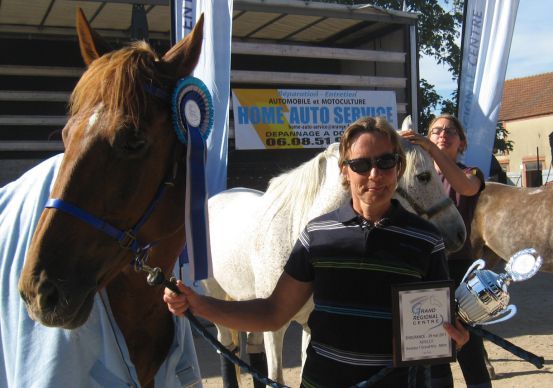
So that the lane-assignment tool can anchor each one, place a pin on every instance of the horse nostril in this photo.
(24, 296)
(48, 295)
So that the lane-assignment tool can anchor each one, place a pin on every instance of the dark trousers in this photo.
(471, 357)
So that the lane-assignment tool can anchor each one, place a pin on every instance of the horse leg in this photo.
(491, 258)
(230, 373)
(489, 366)
(305, 338)
(273, 347)
(256, 354)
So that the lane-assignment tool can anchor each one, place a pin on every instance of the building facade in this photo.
(527, 114)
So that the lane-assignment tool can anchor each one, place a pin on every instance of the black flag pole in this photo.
(173, 27)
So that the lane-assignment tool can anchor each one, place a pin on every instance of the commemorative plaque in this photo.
(419, 311)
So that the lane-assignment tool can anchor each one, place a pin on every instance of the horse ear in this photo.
(407, 124)
(183, 57)
(92, 45)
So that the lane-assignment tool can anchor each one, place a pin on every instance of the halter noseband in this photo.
(430, 212)
(127, 239)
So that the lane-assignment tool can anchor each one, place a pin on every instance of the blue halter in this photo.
(192, 109)
(127, 239)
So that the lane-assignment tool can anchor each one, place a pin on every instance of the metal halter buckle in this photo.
(127, 240)
(139, 260)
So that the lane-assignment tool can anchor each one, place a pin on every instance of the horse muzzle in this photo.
(54, 304)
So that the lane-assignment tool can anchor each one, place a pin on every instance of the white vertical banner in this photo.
(213, 70)
(488, 32)
(183, 18)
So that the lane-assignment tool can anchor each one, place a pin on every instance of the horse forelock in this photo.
(416, 161)
(116, 82)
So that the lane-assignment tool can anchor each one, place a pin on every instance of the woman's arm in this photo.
(463, 183)
(268, 314)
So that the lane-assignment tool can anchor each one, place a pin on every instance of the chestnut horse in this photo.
(124, 167)
(508, 219)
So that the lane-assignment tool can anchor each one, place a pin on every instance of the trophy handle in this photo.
(478, 263)
(512, 312)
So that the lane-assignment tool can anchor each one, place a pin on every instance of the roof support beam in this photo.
(285, 50)
(278, 78)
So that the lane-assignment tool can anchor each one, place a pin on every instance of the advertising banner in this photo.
(299, 118)
(487, 39)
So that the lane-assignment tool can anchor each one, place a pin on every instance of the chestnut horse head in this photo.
(121, 185)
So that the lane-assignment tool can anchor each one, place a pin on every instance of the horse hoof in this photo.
(491, 372)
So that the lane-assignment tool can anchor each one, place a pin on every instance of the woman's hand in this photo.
(179, 303)
(459, 333)
(420, 140)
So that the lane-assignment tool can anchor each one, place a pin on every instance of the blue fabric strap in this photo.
(126, 238)
(197, 234)
(86, 217)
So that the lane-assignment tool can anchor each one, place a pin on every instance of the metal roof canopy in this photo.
(276, 21)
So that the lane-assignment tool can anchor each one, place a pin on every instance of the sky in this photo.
(531, 48)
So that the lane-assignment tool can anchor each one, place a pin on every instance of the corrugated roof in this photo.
(282, 21)
(527, 97)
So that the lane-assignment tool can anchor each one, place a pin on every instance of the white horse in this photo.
(253, 233)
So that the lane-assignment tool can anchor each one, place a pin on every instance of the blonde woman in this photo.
(445, 142)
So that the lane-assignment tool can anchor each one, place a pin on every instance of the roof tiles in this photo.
(527, 97)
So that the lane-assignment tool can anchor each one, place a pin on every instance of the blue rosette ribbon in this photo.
(192, 107)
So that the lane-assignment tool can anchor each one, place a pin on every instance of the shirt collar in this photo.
(346, 214)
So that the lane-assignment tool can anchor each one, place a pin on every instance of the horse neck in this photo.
(141, 314)
(138, 308)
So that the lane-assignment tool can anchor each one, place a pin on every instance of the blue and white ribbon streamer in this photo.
(193, 119)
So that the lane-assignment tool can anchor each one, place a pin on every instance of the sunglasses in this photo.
(383, 162)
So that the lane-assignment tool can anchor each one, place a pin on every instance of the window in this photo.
(532, 165)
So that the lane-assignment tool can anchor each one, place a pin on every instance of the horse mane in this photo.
(296, 190)
(116, 81)
(415, 156)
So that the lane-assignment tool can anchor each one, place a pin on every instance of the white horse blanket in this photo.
(94, 355)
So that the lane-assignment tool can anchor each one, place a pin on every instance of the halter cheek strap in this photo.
(430, 212)
(127, 239)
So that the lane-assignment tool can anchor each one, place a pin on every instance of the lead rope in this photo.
(156, 278)
(533, 359)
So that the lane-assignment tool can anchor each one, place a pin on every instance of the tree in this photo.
(438, 30)
(502, 145)
(429, 100)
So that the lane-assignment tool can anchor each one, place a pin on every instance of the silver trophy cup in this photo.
(483, 298)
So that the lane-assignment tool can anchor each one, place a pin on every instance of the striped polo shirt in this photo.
(352, 264)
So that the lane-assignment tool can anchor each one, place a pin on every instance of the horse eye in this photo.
(424, 177)
(134, 144)
(131, 140)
